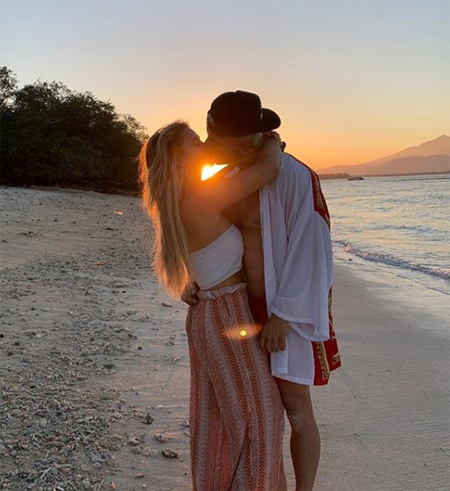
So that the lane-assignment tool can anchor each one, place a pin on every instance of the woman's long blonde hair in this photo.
(163, 183)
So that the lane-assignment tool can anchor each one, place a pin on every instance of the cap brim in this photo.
(270, 120)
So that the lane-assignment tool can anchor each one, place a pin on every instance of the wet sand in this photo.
(94, 368)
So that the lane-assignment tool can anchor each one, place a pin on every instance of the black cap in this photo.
(239, 114)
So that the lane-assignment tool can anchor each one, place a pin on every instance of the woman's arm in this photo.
(219, 194)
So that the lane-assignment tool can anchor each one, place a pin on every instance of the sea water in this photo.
(400, 223)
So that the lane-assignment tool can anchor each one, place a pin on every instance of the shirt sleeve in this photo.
(307, 275)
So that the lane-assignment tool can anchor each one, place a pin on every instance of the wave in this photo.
(393, 261)
(419, 178)
(416, 229)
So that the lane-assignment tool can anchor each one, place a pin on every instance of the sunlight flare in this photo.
(209, 170)
(243, 332)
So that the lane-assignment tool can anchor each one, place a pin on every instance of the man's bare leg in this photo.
(305, 438)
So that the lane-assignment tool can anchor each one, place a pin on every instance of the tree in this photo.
(8, 86)
(53, 135)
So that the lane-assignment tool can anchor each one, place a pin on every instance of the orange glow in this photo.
(209, 170)
(243, 331)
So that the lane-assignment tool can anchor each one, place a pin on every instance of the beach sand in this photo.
(94, 367)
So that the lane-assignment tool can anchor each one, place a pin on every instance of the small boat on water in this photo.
(355, 178)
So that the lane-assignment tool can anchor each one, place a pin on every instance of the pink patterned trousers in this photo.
(236, 413)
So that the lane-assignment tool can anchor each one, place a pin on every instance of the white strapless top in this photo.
(218, 260)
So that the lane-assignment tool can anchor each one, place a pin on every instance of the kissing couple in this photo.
(249, 249)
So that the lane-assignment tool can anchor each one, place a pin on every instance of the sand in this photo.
(94, 367)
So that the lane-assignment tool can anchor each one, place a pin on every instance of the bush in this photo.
(51, 135)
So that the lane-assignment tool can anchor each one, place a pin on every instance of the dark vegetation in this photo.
(51, 135)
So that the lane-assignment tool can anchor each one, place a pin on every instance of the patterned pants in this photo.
(236, 413)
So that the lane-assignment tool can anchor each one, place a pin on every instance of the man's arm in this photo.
(302, 295)
(304, 285)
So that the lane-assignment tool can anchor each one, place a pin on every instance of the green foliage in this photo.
(53, 135)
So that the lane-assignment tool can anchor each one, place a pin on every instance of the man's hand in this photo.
(189, 294)
(273, 335)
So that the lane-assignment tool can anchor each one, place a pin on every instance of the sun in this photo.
(209, 170)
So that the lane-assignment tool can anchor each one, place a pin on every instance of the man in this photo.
(288, 266)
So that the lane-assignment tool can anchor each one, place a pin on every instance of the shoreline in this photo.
(102, 352)
(439, 282)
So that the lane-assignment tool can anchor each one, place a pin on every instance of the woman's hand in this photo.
(189, 294)
(273, 135)
(270, 154)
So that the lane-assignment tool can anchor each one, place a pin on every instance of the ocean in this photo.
(400, 223)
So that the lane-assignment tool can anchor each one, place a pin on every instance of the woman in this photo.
(236, 413)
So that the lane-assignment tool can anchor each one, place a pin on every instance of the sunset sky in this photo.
(352, 80)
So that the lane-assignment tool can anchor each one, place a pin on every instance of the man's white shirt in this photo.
(298, 267)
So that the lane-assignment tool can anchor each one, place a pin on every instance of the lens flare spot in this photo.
(243, 332)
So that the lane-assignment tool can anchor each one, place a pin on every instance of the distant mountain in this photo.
(416, 165)
(431, 156)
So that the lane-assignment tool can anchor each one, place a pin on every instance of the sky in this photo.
(352, 80)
